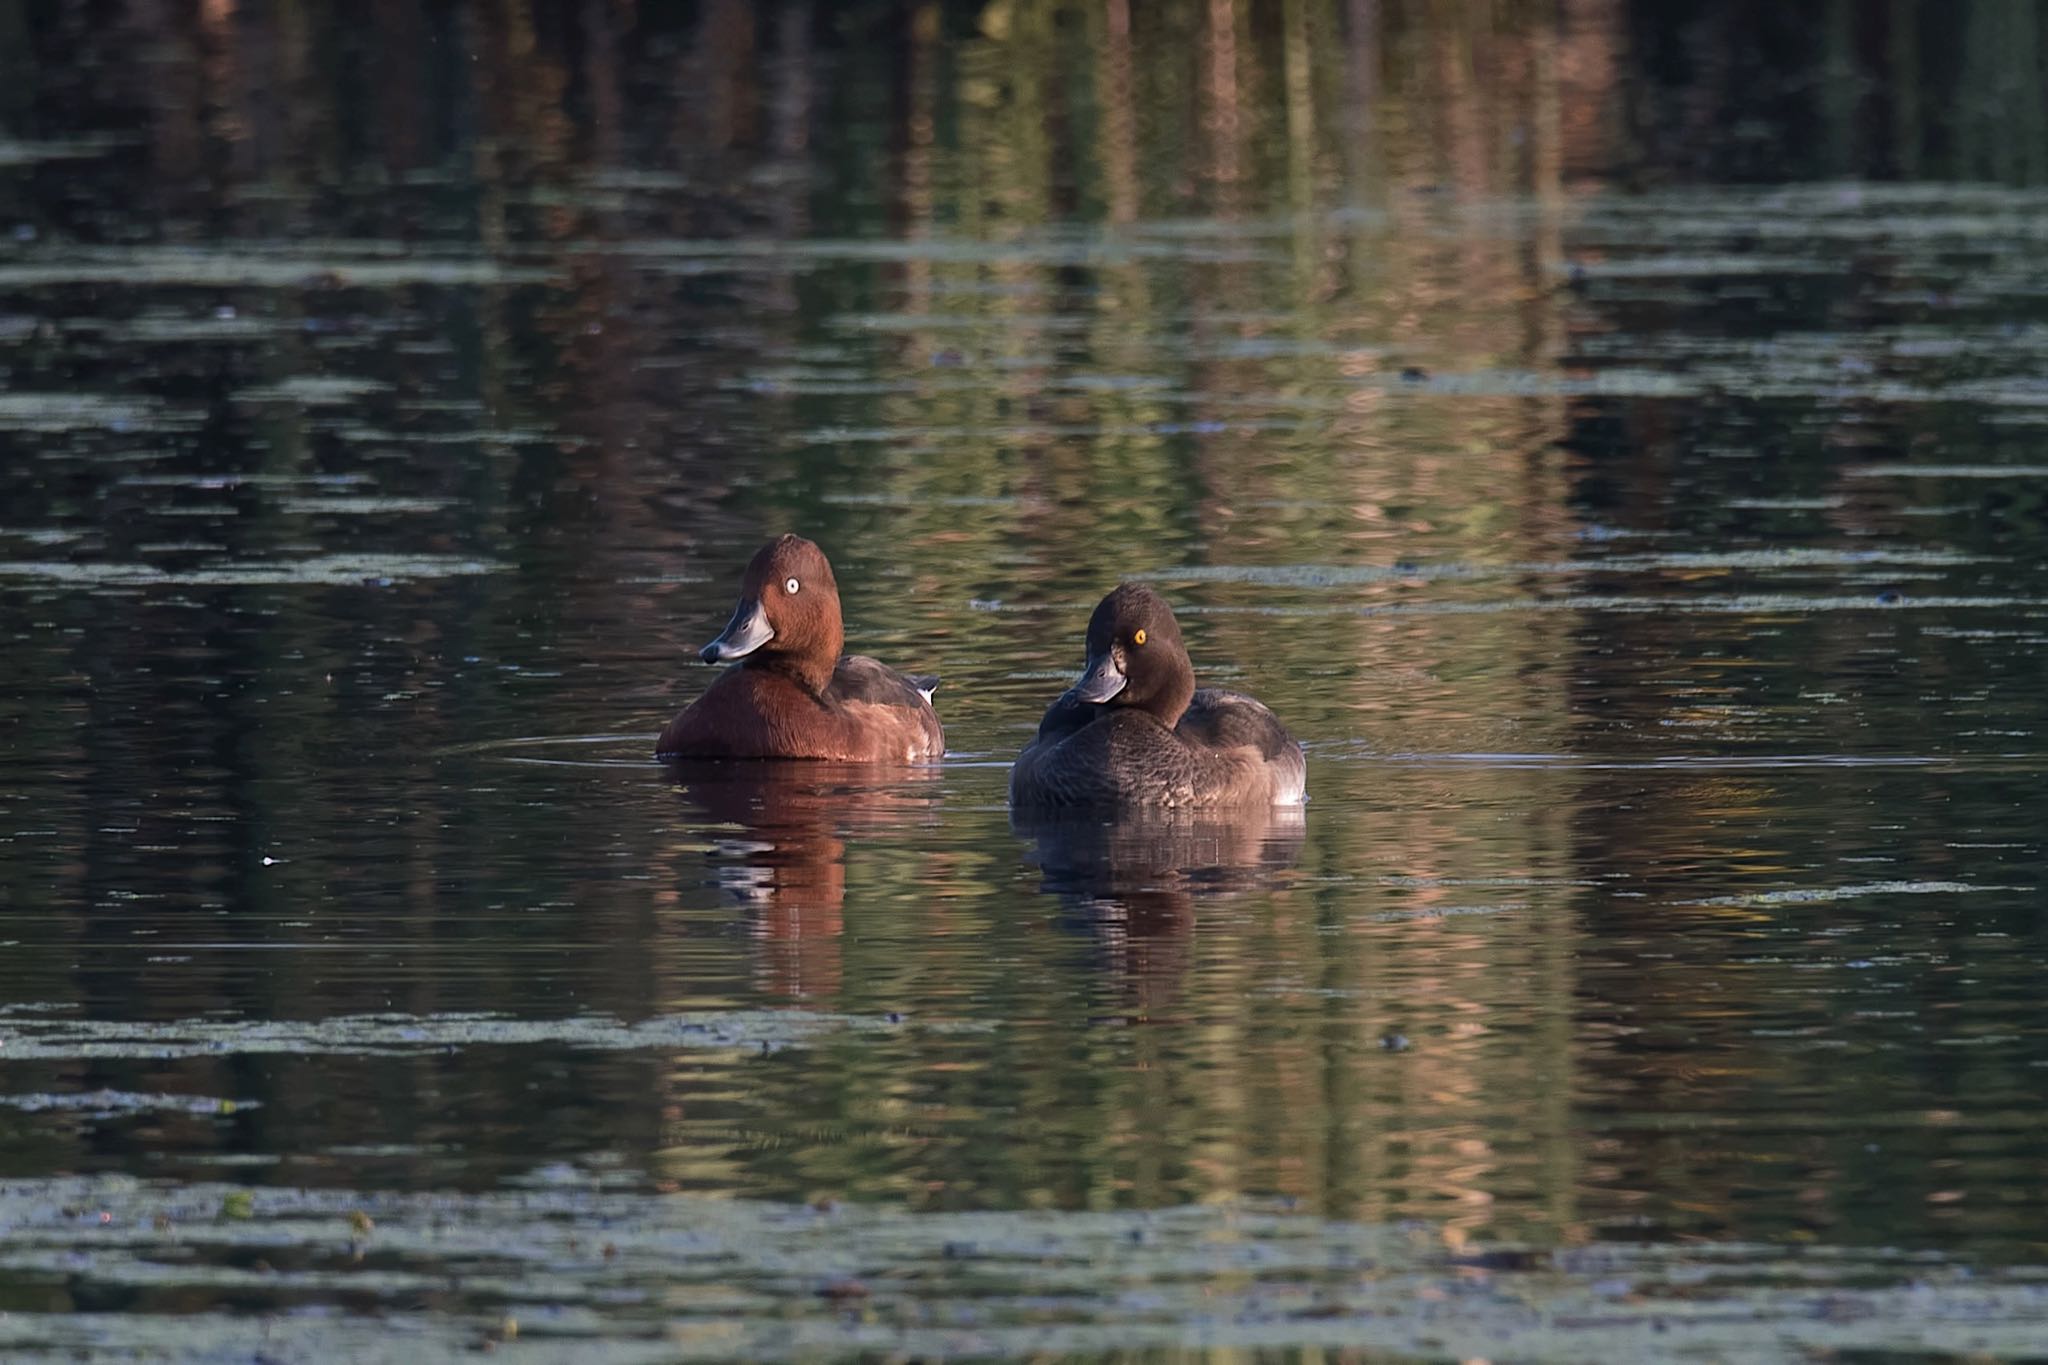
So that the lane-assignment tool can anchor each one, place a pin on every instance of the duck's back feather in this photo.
(861, 679)
(1220, 720)
(891, 711)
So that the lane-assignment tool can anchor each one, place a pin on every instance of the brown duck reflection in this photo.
(1133, 880)
(778, 833)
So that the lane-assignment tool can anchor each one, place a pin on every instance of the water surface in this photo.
(1637, 512)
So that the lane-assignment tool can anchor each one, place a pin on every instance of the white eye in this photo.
(790, 585)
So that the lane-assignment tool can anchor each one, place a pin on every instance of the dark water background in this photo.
(1613, 436)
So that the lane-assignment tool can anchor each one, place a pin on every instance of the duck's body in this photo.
(1135, 731)
(1226, 750)
(867, 713)
(792, 694)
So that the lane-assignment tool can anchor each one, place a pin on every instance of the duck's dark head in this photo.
(1135, 655)
(788, 612)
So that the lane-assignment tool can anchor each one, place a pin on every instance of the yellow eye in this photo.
(1139, 638)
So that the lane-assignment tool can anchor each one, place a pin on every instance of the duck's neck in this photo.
(813, 665)
(1171, 701)
(806, 671)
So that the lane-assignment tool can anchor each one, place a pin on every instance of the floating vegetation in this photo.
(1825, 504)
(1712, 604)
(29, 411)
(312, 390)
(1282, 347)
(362, 506)
(1746, 604)
(1063, 249)
(1949, 471)
(15, 152)
(1612, 383)
(1678, 266)
(638, 179)
(325, 571)
(110, 1103)
(1340, 575)
(929, 500)
(242, 480)
(46, 1036)
(1815, 895)
(1965, 214)
(1829, 353)
(1037, 431)
(368, 435)
(255, 265)
(853, 387)
(177, 329)
(39, 535)
(1436, 912)
(602, 1276)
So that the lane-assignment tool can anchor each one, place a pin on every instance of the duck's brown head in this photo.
(1135, 655)
(788, 613)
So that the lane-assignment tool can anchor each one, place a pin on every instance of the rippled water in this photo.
(1648, 544)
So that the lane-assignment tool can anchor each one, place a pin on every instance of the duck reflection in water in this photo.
(1134, 880)
(779, 834)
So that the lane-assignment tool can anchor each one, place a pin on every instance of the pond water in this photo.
(1616, 443)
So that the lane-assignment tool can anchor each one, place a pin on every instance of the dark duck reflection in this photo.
(1133, 880)
(778, 834)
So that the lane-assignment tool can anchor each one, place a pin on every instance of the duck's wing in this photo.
(1067, 714)
(1218, 720)
(871, 682)
(1221, 719)
(1051, 772)
(885, 715)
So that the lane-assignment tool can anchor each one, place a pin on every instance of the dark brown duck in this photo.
(1136, 731)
